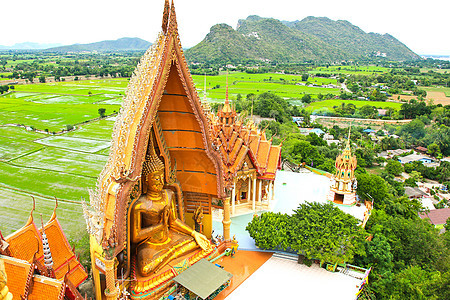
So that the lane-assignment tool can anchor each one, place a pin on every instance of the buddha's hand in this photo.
(166, 215)
(201, 240)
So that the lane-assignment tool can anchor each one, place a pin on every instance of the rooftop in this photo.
(437, 216)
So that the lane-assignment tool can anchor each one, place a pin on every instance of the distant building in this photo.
(382, 112)
(437, 217)
(414, 193)
(421, 149)
(306, 131)
(415, 157)
(368, 130)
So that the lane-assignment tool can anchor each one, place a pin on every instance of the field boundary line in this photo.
(20, 156)
(38, 195)
(59, 94)
(42, 169)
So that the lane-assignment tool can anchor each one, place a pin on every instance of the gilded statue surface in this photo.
(157, 234)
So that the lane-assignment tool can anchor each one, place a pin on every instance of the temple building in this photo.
(39, 262)
(343, 186)
(162, 178)
(250, 160)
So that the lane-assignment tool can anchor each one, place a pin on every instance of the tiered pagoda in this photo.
(249, 160)
(39, 262)
(343, 186)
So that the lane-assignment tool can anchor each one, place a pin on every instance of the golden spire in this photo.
(226, 93)
(48, 259)
(165, 19)
(227, 107)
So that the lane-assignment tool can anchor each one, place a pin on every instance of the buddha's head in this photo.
(153, 171)
(155, 181)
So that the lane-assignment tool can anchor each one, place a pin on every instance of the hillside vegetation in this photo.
(259, 39)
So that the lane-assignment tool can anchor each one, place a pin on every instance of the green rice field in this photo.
(327, 105)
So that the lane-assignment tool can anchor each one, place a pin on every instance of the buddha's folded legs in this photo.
(151, 260)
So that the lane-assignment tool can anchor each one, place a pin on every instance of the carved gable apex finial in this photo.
(173, 26)
(165, 20)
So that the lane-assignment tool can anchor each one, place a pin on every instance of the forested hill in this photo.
(319, 39)
(123, 44)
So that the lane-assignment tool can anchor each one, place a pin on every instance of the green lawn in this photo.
(71, 162)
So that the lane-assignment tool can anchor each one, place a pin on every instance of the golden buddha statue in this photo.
(158, 235)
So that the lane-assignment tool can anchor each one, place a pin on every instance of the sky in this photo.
(421, 25)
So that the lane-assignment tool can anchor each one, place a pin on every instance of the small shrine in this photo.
(39, 263)
(343, 181)
(249, 160)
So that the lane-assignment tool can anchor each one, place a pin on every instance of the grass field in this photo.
(243, 83)
(445, 90)
(327, 105)
(363, 70)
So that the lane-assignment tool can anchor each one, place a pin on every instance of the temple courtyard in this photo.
(256, 272)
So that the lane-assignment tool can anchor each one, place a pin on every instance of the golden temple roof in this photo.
(235, 141)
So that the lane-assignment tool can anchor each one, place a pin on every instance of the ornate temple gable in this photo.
(25, 243)
(65, 261)
(162, 78)
(273, 163)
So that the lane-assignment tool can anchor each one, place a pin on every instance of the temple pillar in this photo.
(111, 290)
(254, 194)
(249, 189)
(272, 191)
(226, 220)
(233, 200)
(259, 192)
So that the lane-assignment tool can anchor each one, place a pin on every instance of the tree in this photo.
(102, 112)
(434, 150)
(42, 79)
(306, 98)
(325, 232)
(372, 186)
(394, 167)
(320, 231)
(414, 177)
(270, 230)
(305, 77)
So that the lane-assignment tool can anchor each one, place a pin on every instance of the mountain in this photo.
(123, 44)
(257, 39)
(28, 46)
(319, 39)
(353, 41)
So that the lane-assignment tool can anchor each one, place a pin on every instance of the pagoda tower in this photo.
(343, 186)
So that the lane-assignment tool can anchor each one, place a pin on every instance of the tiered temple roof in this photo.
(26, 258)
(236, 140)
